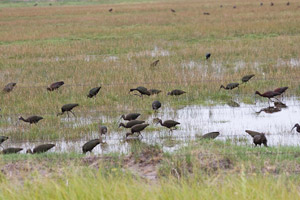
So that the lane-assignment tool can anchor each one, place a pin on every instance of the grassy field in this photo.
(84, 45)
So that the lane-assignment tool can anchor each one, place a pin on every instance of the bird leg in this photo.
(1, 146)
(68, 114)
(73, 113)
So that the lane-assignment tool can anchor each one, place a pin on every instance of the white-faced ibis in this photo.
(246, 78)
(211, 135)
(130, 116)
(176, 92)
(11, 150)
(260, 139)
(110, 10)
(154, 91)
(32, 119)
(288, 3)
(41, 148)
(230, 86)
(68, 108)
(297, 126)
(156, 105)
(55, 86)
(170, 124)
(261, 4)
(9, 87)
(221, 6)
(90, 145)
(102, 129)
(207, 56)
(268, 94)
(173, 11)
(142, 90)
(93, 92)
(35, 4)
(3, 139)
(154, 63)
(131, 123)
(272, 4)
(137, 129)
(234, 7)
(206, 13)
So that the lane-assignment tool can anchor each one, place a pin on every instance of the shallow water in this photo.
(195, 120)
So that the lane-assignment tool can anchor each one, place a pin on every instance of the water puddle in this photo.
(230, 120)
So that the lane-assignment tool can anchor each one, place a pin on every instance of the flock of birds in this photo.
(136, 126)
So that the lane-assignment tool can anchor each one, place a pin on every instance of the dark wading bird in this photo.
(55, 86)
(93, 92)
(35, 4)
(221, 6)
(207, 56)
(137, 129)
(141, 90)
(297, 126)
(3, 139)
(41, 148)
(90, 145)
(206, 13)
(288, 3)
(32, 119)
(110, 10)
(230, 86)
(234, 7)
(154, 91)
(102, 129)
(173, 11)
(156, 105)
(131, 123)
(258, 138)
(245, 79)
(130, 116)
(154, 63)
(9, 87)
(261, 4)
(170, 124)
(268, 94)
(68, 108)
(272, 4)
(176, 92)
(11, 150)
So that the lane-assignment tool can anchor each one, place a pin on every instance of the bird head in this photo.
(21, 118)
(49, 89)
(127, 134)
(122, 116)
(156, 120)
(121, 124)
(222, 86)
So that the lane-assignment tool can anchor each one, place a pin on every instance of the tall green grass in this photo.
(88, 184)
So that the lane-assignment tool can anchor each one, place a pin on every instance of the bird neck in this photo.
(222, 86)
(25, 120)
(121, 124)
